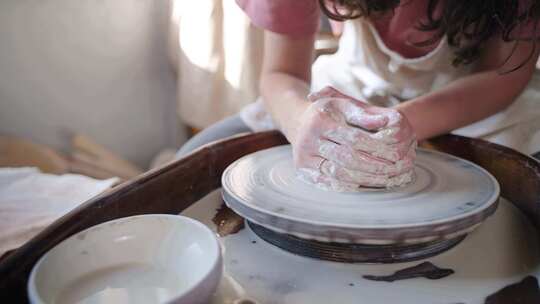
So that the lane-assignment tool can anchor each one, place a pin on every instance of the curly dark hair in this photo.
(468, 24)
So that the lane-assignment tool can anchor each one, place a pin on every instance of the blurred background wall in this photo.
(96, 67)
(217, 53)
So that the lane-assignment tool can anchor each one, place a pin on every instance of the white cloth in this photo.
(364, 67)
(31, 200)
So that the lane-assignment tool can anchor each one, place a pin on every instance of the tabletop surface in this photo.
(504, 250)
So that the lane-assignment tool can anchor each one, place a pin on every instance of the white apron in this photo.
(363, 67)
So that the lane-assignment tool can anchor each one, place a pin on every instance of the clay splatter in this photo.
(425, 270)
(524, 292)
(227, 221)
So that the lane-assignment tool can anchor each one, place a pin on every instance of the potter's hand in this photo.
(342, 142)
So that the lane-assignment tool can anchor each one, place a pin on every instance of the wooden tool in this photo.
(15, 152)
(92, 159)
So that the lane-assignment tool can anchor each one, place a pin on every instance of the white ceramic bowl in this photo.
(139, 259)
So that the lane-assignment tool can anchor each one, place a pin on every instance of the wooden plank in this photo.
(15, 152)
(84, 148)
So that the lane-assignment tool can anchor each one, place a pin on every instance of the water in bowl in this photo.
(128, 283)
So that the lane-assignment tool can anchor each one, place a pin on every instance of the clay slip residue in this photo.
(227, 222)
(524, 292)
(426, 270)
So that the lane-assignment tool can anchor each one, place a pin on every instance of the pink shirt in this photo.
(289, 17)
(301, 17)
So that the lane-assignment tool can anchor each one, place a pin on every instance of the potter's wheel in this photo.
(448, 198)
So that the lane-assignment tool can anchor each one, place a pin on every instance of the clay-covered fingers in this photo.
(352, 159)
(357, 115)
(398, 128)
(310, 169)
(352, 111)
(361, 140)
(335, 171)
(308, 161)
(393, 115)
(392, 125)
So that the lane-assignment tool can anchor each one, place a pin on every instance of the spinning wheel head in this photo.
(448, 198)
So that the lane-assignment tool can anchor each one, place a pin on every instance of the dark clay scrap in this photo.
(227, 221)
(524, 292)
(425, 270)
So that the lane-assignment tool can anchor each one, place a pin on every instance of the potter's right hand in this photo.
(344, 140)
